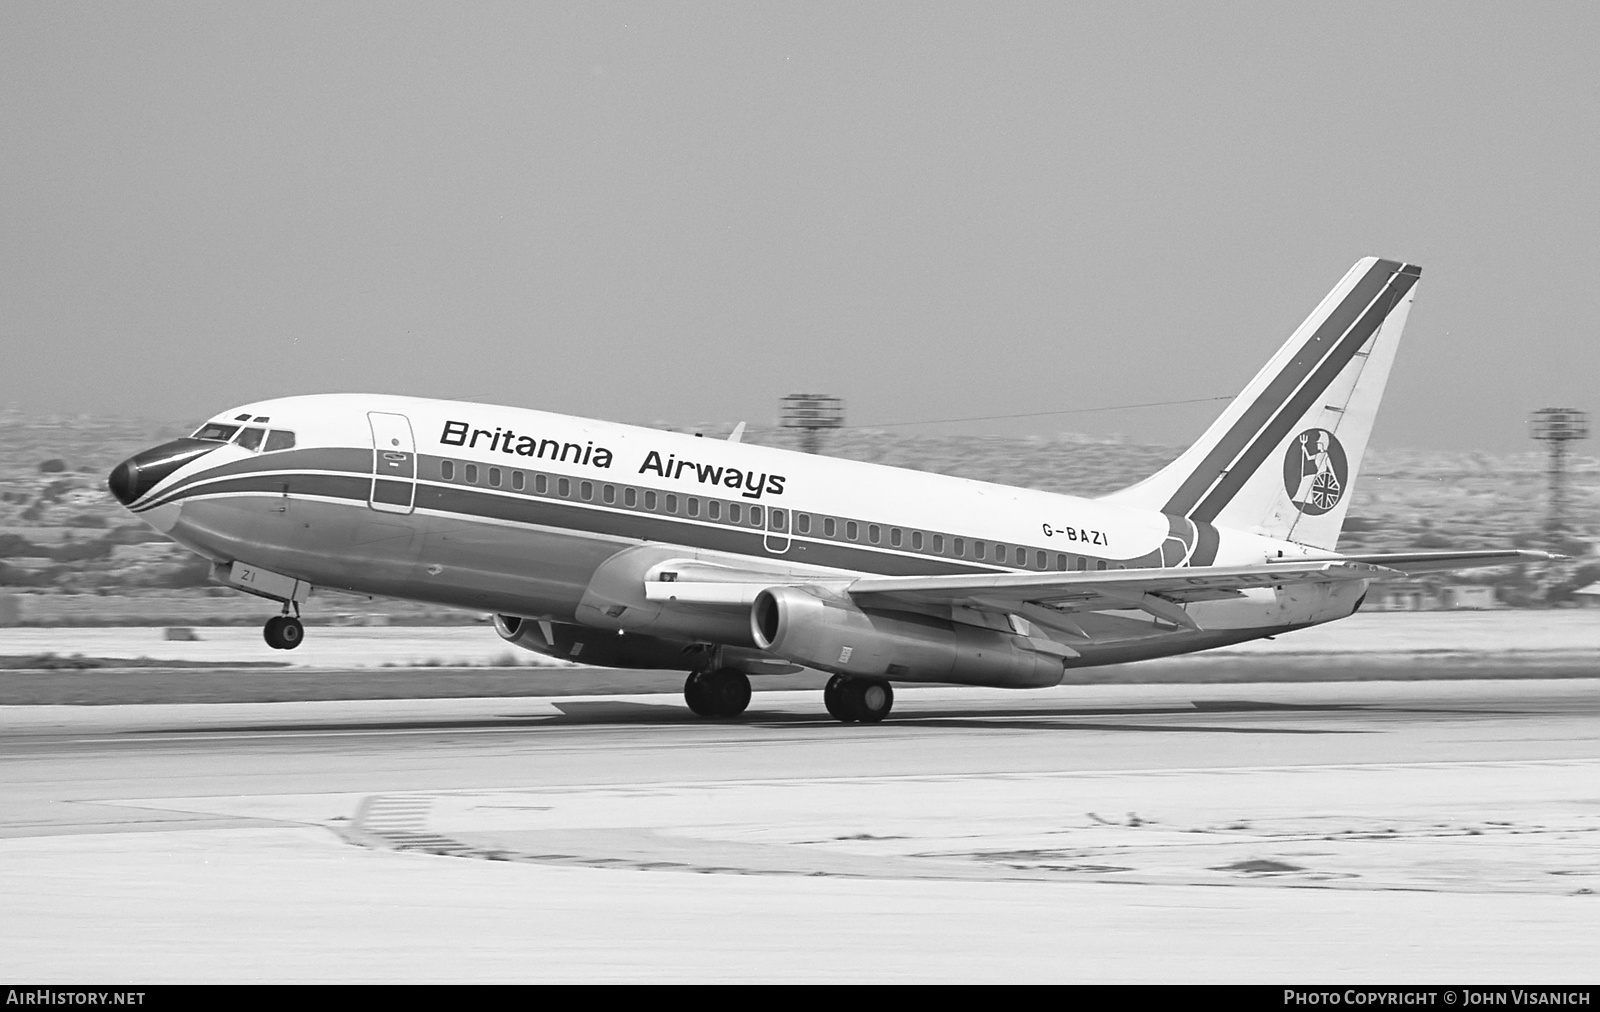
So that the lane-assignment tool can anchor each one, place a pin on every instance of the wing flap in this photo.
(1158, 591)
(1408, 563)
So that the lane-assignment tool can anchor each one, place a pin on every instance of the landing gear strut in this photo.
(722, 692)
(867, 700)
(284, 632)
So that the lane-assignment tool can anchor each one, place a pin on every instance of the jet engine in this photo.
(594, 646)
(822, 630)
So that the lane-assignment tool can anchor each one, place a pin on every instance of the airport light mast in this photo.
(811, 414)
(1556, 428)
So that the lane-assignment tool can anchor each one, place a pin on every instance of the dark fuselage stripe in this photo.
(1282, 386)
(334, 458)
(473, 504)
(1205, 552)
(1266, 443)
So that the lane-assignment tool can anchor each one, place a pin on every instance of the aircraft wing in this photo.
(1408, 563)
(1159, 592)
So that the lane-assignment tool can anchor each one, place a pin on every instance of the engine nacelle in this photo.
(829, 632)
(594, 646)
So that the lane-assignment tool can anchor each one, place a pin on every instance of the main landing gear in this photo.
(867, 700)
(284, 632)
(721, 692)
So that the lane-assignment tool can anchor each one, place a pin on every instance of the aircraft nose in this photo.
(124, 481)
(132, 478)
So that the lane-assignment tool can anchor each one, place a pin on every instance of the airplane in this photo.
(623, 546)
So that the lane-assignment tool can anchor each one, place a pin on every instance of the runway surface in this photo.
(1440, 832)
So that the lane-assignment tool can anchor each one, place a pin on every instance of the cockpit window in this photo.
(250, 439)
(220, 433)
(279, 439)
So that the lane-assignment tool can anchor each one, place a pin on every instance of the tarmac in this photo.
(1421, 832)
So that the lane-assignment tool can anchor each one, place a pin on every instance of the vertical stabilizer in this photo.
(1283, 457)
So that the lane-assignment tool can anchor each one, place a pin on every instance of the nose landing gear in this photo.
(284, 632)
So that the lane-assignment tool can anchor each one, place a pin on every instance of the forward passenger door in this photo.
(394, 463)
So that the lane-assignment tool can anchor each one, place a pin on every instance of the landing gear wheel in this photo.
(867, 700)
(283, 632)
(695, 694)
(833, 697)
(724, 692)
(872, 700)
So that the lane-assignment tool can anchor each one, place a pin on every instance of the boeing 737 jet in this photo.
(615, 545)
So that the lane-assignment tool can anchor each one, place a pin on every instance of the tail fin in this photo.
(1283, 457)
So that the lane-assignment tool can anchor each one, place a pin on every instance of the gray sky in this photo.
(680, 213)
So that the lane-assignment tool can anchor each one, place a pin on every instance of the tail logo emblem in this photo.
(1315, 472)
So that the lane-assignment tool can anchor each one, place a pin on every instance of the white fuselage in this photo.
(549, 517)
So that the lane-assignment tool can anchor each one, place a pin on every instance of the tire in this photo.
(836, 697)
(730, 689)
(291, 633)
(873, 700)
(724, 692)
(696, 694)
(272, 632)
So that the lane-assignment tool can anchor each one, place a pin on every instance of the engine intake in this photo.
(820, 630)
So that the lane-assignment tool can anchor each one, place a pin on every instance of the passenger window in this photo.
(938, 544)
(977, 549)
(1040, 560)
(519, 481)
(672, 503)
(958, 547)
(872, 533)
(755, 516)
(586, 490)
(630, 497)
(714, 509)
(494, 476)
(1083, 564)
(850, 529)
(472, 474)
(694, 506)
(735, 514)
(999, 553)
(541, 484)
(279, 439)
(916, 541)
(563, 488)
(1100, 564)
(649, 500)
(829, 528)
(250, 439)
(608, 493)
(447, 470)
(802, 523)
(777, 520)
(894, 537)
